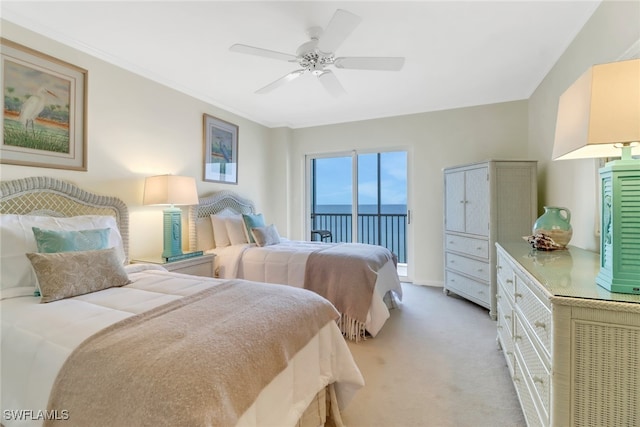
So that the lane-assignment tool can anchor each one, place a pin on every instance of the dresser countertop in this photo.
(567, 272)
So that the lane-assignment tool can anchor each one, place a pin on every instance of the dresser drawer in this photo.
(526, 397)
(533, 367)
(472, 267)
(508, 348)
(505, 333)
(467, 245)
(473, 289)
(535, 312)
(505, 313)
(505, 275)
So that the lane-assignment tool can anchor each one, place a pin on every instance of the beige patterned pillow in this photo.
(265, 236)
(68, 274)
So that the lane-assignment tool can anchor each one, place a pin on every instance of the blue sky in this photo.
(333, 186)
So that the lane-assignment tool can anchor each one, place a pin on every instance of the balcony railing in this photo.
(388, 230)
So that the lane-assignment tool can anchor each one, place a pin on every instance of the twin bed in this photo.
(121, 344)
(360, 280)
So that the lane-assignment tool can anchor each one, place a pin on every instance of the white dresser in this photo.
(572, 347)
(484, 203)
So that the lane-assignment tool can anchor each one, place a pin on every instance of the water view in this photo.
(388, 228)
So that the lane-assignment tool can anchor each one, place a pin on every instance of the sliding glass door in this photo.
(360, 197)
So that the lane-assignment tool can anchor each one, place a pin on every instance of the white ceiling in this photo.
(457, 53)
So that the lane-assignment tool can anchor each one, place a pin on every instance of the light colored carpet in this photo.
(434, 363)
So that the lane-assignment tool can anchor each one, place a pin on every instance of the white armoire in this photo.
(484, 203)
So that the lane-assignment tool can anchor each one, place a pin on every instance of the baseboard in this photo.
(432, 283)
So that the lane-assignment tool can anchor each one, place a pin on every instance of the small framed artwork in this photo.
(44, 114)
(220, 151)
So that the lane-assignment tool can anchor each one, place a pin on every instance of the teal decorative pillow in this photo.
(68, 274)
(52, 241)
(252, 221)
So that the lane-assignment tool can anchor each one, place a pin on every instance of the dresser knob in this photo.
(509, 281)
(537, 379)
(506, 316)
(517, 295)
(517, 337)
(539, 324)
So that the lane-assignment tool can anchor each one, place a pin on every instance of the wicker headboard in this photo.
(213, 204)
(53, 197)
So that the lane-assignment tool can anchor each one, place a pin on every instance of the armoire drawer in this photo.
(472, 267)
(479, 291)
(467, 245)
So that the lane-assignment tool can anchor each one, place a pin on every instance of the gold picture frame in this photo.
(220, 151)
(44, 110)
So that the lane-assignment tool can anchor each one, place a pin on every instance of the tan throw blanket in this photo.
(346, 275)
(198, 361)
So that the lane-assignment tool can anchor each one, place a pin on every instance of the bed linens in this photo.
(37, 339)
(286, 263)
(346, 275)
(228, 360)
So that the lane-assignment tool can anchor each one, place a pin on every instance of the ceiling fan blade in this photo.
(370, 63)
(331, 83)
(282, 80)
(338, 29)
(251, 50)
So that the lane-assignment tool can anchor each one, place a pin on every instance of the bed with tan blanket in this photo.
(360, 280)
(121, 344)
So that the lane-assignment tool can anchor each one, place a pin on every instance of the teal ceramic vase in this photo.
(555, 223)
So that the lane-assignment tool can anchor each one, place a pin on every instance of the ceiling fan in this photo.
(317, 54)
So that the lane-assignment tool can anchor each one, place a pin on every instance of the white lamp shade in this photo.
(600, 109)
(170, 190)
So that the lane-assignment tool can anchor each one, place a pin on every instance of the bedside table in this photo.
(197, 266)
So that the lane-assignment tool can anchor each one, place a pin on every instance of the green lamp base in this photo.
(172, 232)
(616, 285)
(620, 226)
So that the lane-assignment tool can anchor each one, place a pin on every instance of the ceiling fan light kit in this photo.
(318, 53)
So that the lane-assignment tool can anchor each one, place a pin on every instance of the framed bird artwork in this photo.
(220, 150)
(44, 114)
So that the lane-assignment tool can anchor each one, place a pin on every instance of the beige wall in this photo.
(138, 128)
(610, 32)
(434, 141)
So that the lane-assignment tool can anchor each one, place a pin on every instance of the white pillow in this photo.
(204, 233)
(17, 238)
(236, 230)
(220, 234)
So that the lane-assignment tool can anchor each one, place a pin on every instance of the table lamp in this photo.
(599, 116)
(171, 191)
